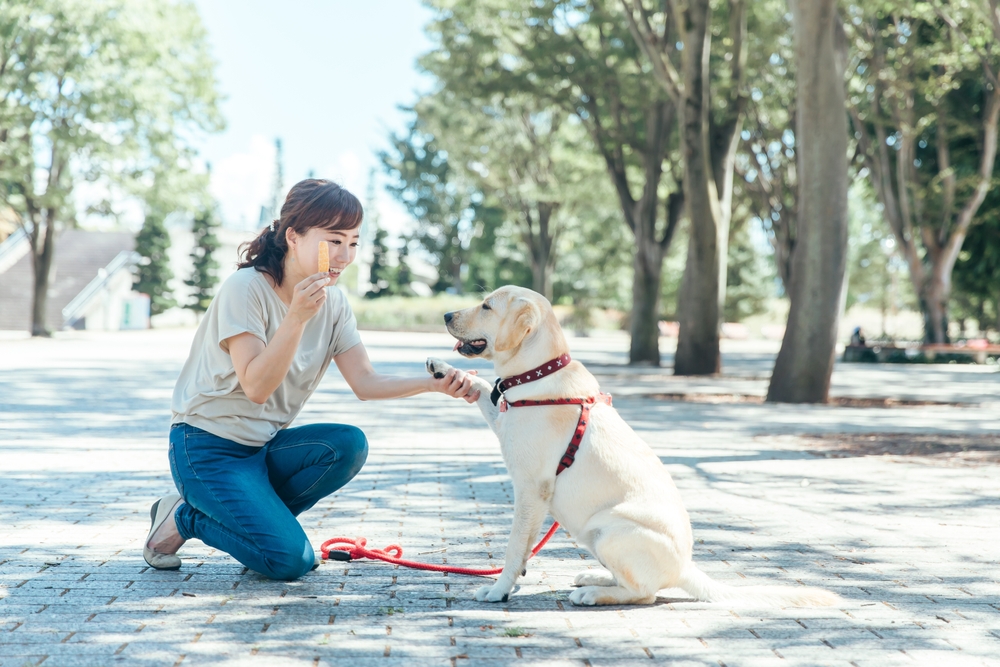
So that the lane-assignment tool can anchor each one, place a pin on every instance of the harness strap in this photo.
(581, 425)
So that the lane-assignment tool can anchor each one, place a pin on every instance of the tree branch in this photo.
(655, 49)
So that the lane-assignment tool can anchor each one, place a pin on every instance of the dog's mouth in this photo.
(470, 348)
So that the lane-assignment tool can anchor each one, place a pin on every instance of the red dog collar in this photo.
(548, 368)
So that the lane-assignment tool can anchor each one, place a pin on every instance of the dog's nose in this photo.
(447, 317)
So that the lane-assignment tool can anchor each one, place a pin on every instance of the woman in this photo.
(260, 352)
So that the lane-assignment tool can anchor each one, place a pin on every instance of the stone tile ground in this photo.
(910, 543)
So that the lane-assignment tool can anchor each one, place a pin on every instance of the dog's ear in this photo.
(521, 319)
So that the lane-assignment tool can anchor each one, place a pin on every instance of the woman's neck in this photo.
(286, 290)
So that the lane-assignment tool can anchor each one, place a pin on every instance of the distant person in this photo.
(858, 337)
(258, 355)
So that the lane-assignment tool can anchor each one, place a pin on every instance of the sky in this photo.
(327, 77)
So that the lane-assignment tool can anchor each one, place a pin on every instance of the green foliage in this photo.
(379, 275)
(977, 270)
(204, 274)
(530, 159)
(749, 276)
(923, 98)
(445, 208)
(153, 273)
(574, 66)
(112, 92)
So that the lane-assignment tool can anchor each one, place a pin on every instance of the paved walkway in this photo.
(909, 542)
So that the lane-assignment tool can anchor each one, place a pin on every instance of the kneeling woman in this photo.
(259, 354)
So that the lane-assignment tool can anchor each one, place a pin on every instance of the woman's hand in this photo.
(308, 297)
(457, 384)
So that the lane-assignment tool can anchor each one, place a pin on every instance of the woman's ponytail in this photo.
(266, 253)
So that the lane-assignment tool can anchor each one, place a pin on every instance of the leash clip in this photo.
(497, 394)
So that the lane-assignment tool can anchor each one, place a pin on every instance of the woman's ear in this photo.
(521, 319)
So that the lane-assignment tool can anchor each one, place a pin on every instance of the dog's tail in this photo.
(701, 586)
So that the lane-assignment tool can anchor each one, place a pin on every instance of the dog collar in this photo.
(548, 368)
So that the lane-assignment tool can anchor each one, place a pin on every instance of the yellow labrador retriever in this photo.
(615, 496)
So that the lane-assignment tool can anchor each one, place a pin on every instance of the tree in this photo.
(925, 107)
(581, 58)
(977, 269)
(805, 361)
(94, 90)
(153, 273)
(380, 276)
(709, 139)
(204, 274)
(424, 181)
(765, 161)
(749, 278)
(513, 149)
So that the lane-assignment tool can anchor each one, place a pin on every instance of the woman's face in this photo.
(342, 245)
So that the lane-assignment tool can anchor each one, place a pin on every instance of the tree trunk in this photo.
(934, 297)
(540, 246)
(41, 263)
(647, 264)
(805, 362)
(641, 216)
(703, 285)
(541, 279)
(456, 275)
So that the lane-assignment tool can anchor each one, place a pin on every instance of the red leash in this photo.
(355, 549)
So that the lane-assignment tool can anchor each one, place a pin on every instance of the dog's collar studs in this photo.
(550, 366)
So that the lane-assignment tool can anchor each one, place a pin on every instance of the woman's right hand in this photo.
(308, 297)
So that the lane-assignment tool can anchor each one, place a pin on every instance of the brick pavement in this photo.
(910, 543)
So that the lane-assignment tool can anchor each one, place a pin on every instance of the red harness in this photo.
(538, 373)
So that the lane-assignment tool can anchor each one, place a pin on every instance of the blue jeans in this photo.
(244, 500)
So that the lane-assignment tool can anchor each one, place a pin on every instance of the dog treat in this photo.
(324, 257)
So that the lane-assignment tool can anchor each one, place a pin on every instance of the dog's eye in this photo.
(486, 307)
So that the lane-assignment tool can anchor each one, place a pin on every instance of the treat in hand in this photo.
(324, 257)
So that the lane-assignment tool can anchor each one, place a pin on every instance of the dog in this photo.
(615, 496)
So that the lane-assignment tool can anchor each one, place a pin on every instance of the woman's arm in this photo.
(367, 384)
(261, 368)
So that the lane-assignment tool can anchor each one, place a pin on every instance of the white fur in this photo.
(617, 499)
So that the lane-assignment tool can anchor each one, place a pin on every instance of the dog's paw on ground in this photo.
(595, 578)
(437, 368)
(492, 593)
(585, 597)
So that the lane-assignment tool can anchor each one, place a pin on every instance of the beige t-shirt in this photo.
(208, 394)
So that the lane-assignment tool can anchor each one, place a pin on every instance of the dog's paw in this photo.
(437, 368)
(595, 578)
(494, 593)
(585, 597)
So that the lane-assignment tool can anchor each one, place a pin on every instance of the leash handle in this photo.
(347, 549)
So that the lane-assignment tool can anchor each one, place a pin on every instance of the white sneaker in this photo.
(161, 510)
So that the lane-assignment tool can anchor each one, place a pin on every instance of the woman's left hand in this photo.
(457, 384)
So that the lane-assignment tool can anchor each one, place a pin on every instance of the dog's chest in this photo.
(536, 436)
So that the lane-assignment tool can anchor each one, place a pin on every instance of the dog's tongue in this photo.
(458, 344)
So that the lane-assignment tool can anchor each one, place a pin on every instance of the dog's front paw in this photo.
(437, 368)
(494, 593)
(585, 597)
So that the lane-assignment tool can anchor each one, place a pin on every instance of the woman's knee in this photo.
(355, 449)
(289, 562)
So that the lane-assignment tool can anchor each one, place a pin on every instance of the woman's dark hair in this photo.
(310, 203)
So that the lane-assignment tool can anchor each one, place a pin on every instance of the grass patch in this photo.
(389, 611)
(513, 632)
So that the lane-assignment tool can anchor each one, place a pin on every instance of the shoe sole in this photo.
(152, 520)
